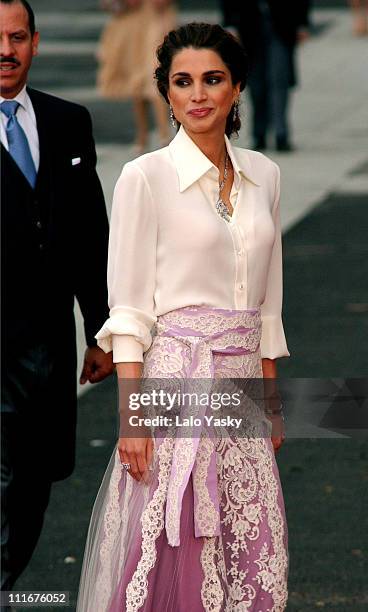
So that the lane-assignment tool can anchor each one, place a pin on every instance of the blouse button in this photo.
(241, 286)
(240, 252)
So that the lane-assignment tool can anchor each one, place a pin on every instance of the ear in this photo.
(236, 91)
(35, 43)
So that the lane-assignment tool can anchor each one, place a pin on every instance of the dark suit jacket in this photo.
(54, 248)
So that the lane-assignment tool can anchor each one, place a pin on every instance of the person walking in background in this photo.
(269, 31)
(54, 248)
(127, 60)
(360, 16)
(195, 292)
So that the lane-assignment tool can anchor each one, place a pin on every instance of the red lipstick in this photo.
(200, 112)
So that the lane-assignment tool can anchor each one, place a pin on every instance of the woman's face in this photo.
(201, 91)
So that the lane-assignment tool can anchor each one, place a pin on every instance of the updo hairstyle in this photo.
(204, 36)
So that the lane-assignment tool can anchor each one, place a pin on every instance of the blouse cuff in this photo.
(273, 341)
(127, 333)
(126, 349)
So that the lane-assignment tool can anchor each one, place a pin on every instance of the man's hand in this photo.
(303, 35)
(97, 365)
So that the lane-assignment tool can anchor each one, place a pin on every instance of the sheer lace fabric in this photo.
(129, 564)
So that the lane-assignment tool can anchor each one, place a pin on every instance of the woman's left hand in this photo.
(278, 431)
(273, 404)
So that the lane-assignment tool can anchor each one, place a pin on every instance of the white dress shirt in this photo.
(27, 119)
(169, 248)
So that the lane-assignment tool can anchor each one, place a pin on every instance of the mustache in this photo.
(9, 60)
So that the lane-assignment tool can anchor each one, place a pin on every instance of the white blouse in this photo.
(169, 247)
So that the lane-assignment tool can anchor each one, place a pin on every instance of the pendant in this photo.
(222, 210)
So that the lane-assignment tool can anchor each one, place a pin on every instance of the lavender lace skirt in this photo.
(129, 565)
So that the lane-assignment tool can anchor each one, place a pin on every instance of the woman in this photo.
(127, 60)
(195, 255)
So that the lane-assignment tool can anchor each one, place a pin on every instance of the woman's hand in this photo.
(138, 452)
(278, 431)
(135, 441)
(273, 404)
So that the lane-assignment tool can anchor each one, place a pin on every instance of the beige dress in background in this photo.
(127, 52)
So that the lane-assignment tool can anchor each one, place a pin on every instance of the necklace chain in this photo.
(221, 207)
(226, 169)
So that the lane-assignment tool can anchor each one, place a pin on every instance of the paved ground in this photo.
(325, 219)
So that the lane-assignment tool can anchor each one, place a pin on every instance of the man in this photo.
(54, 244)
(269, 31)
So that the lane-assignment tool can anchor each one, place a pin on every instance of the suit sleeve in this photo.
(90, 276)
(131, 268)
(273, 342)
(304, 10)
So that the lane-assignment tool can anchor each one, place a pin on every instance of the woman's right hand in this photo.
(138, 452)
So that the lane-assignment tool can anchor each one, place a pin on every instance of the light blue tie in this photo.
(18, 142)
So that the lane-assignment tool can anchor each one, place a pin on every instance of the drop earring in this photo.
(236, 111)
(172, 117)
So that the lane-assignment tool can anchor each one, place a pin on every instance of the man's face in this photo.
(17, 48)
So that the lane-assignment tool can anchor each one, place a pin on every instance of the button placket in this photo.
(240, 293)
(243, 279)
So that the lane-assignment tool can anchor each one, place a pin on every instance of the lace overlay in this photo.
(245, 564)
(111, 524)
(207, 517)
(249, 494)
(124, 512)
(152, 522)
(247, 485)
(212, 320)
(212, 594)
(184, 455)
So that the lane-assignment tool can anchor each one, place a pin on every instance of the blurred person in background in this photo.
(269, 31)
(54, 248)
(360, 16)
(127, 60)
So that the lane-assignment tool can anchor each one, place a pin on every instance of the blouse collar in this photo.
(191, 164)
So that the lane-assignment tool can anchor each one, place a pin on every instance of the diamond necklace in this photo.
(221, 207)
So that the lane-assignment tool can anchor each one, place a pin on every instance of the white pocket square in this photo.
(76, 161)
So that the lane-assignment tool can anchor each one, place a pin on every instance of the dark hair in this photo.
(204, 36)
(27, 6)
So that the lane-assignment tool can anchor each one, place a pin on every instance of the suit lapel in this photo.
(7, 159)
(17, 193)
(43, 129)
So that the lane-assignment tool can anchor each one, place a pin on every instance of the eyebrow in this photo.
(209, 72)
